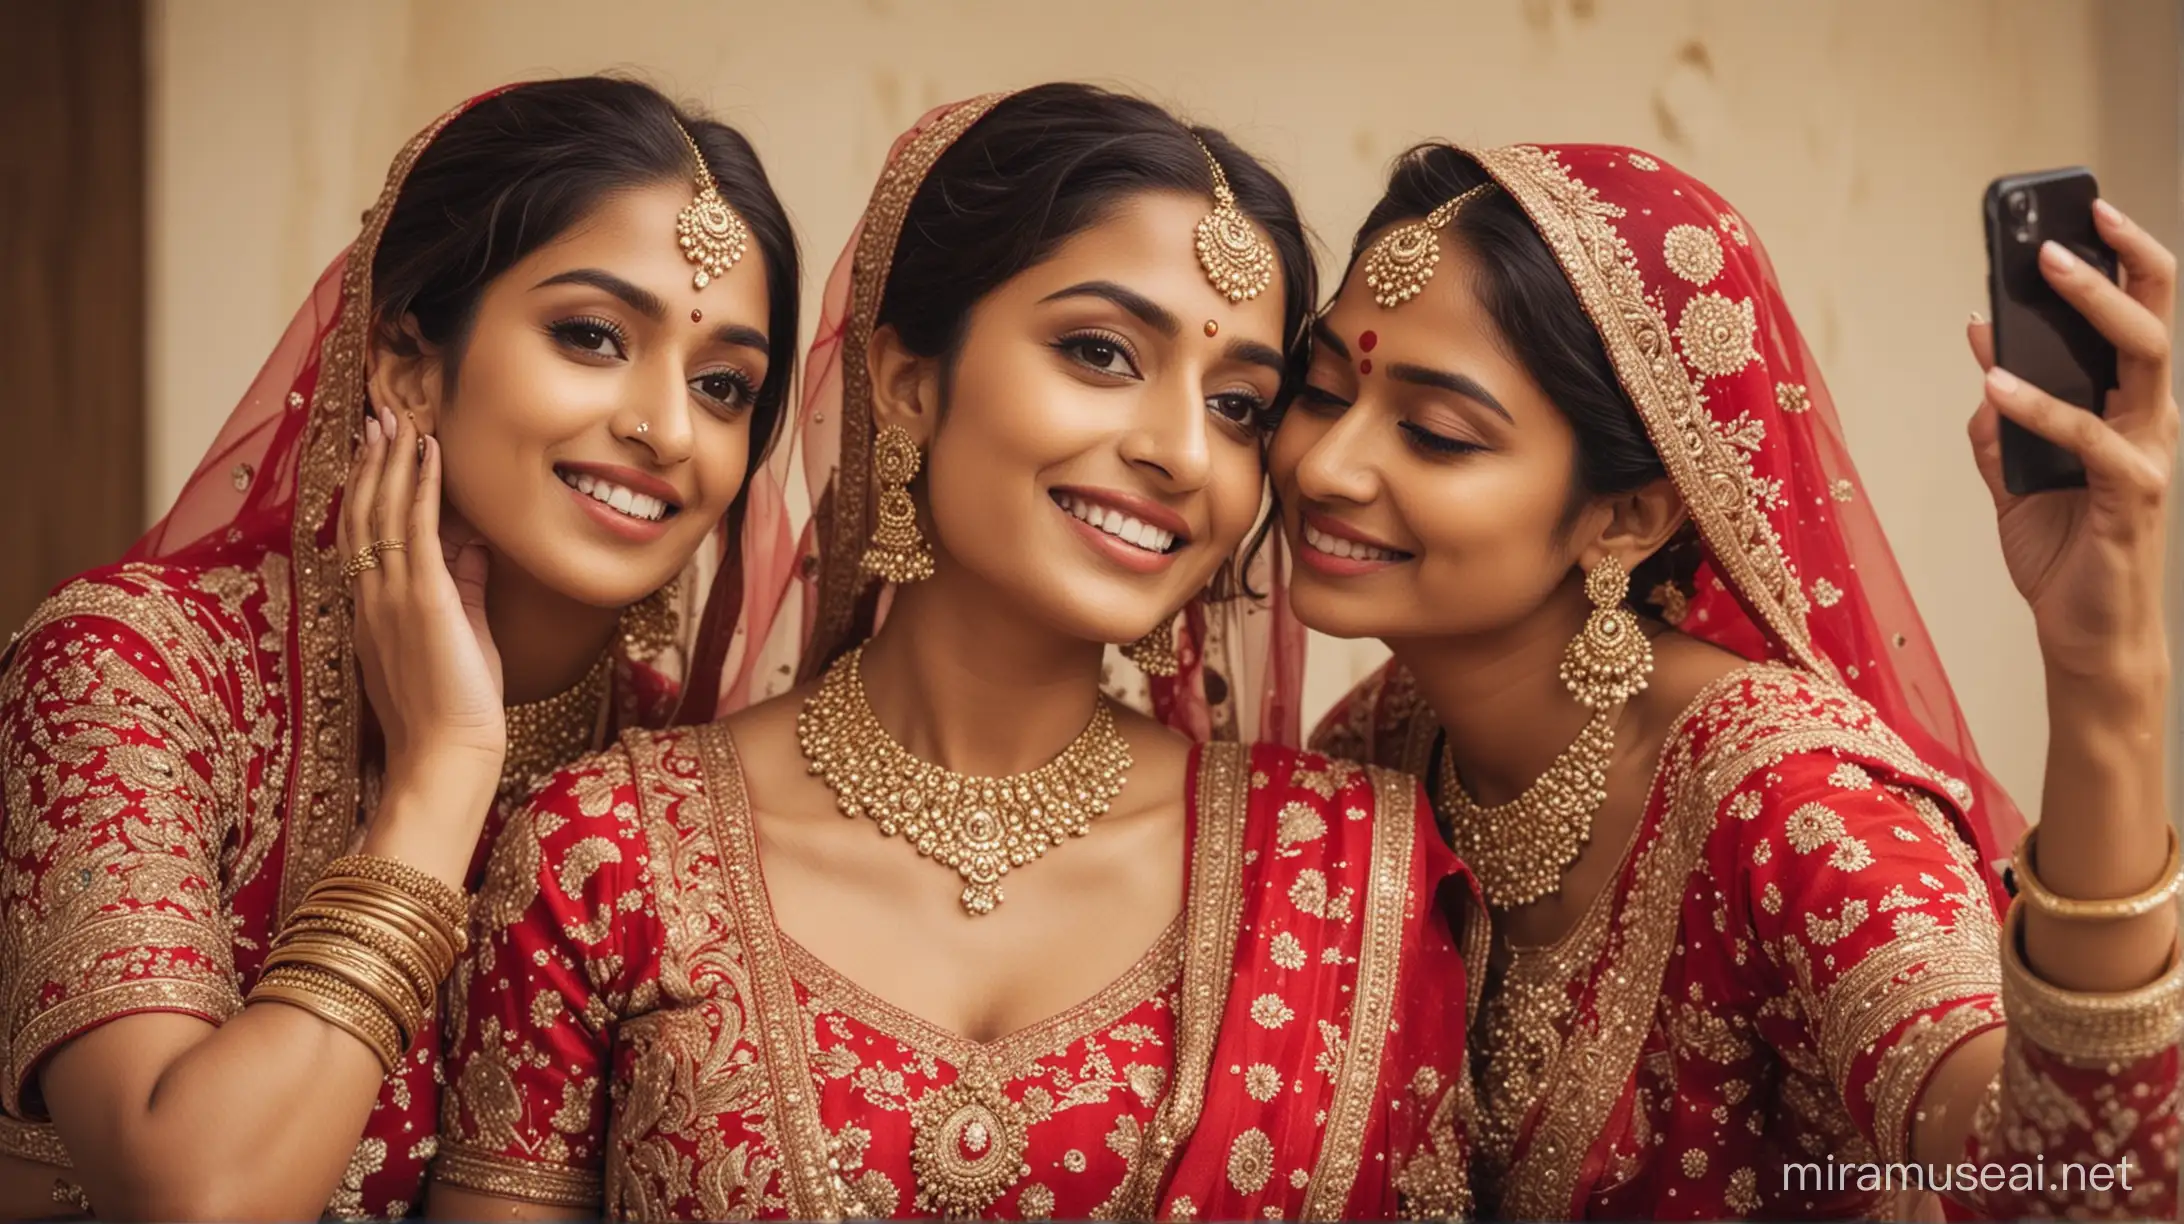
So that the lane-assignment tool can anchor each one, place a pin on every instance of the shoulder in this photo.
(210, 612)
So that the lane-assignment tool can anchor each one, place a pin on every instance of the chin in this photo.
(1326, 608)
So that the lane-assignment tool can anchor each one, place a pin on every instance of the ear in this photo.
(1637, 524)
(905, 386)
(406, 372)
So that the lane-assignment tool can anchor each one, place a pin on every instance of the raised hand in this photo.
(429, 665)
(2089, 560)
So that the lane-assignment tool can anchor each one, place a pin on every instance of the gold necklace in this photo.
(546, 734)
(1519, 849)
(981, 827)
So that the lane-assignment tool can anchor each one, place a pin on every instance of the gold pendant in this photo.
(967, 1146)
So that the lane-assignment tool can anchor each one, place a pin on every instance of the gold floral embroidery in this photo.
(1251, 1161)
(1693, 253)
(1286, 951)
(1826, 594)
(1792, 398)
(1262, 1081)
(1269, 1011)
(1717, 334)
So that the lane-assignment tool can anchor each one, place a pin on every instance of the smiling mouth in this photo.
(1132, 531)
(1337, 546)
(640, 506)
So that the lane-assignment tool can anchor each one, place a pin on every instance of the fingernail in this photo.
(371, 430)
(2107, 212)
(2054, 255)
(1978, 318)
(2003, 382)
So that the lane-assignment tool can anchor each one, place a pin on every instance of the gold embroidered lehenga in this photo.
(641, 1040)
(1805, 922)
(186, 747)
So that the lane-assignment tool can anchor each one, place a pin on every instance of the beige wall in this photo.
(1856, 136)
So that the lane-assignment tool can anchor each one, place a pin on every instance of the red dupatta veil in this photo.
(1241, 658)
(1796, 566)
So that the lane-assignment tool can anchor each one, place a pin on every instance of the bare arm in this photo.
(171, 1116)
(2090, 564)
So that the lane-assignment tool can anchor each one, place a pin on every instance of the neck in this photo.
(1499, 698)
(547, 641)
(960, 677)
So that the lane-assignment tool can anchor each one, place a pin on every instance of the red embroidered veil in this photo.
(1796, 564)
(1242, 659)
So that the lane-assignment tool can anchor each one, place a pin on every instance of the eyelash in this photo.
(572, 333)
(1250, 409)
(1427, 440)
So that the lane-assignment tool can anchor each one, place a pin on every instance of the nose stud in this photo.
(644, 427)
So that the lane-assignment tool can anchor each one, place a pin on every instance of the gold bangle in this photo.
(2089, 1028)
(331, 1001)
(404, 913)
(449, 902)
(377, 980)
(424, 978)
(2036, 894)
(413, 927)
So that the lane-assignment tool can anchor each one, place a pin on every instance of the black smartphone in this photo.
(2038, 336)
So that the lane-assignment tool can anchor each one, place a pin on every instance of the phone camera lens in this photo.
(2020, 203)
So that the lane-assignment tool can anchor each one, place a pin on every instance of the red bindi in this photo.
(697, 316)
(1365, 366)
(1366, 340)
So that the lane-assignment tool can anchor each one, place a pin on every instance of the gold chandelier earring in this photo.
(1519, 850)
(1610, 660)
(898, 551)
(1154, 653)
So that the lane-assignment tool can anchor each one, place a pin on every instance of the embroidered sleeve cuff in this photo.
(38, 1034)
(2085, 1028)
(507, 1177)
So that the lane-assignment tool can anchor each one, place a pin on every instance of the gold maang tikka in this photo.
(1399, 265)
(712, 235)
(1236, 259)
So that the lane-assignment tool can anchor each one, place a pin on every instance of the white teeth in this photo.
(636, 505)
(1119, 525)
(1336, 546)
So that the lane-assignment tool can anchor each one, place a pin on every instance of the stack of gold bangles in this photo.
(367, 951)
(2036, 894)
(367, 557)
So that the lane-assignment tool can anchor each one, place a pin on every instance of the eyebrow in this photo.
(648, 304)
(1455, 384)
(1257, 354)
(1156, 316)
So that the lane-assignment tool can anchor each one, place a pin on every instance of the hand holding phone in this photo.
(2086, 380)
(2038, 336)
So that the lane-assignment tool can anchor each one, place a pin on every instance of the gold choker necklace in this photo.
(1519, 849)
(546, 734)
(981, 827)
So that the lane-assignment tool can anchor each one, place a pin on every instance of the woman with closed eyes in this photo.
(944, 932)
(498, 459)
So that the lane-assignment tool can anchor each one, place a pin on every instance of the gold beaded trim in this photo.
(2082, 1027)
(1398, 266)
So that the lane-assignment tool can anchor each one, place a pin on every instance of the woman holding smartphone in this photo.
(1565, 451)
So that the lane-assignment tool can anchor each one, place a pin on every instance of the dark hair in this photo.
(515, 171)
(1546, 329)
(1048, 163)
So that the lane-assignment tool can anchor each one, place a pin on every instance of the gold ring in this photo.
(365, 559)
(380, 546)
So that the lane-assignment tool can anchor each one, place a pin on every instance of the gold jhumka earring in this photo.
(897, 551)
(1519, 849)
(1154, 653)
(1399, 265)
(711, 233)
(1238, 262)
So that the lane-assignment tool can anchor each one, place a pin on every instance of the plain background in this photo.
(1854, 135)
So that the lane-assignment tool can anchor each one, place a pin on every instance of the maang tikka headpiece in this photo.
(1399, 265)
(1238, 262)
(711, 234)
